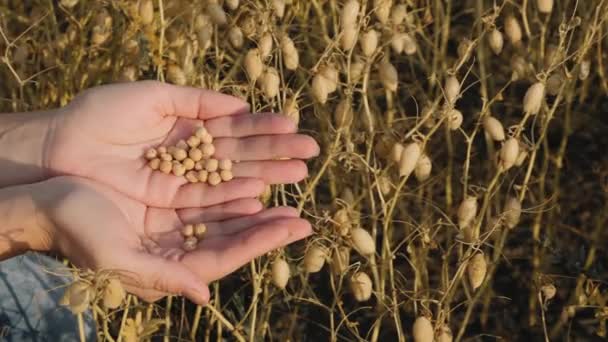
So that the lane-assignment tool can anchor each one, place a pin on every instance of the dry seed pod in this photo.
(388, 76)
(445, 334)
(348, 39)
(214, 178)
(113, 294)
(512, 211)
(253, 64)
(409, 159)
(216, 13)
(423, 168)
(320, 88)
(343, 115)
(496, 41)
(382, 10)
(330, 74)
(340, 260)
(513, 30)
(356, 71)
(154, 164)
(452, 89)
(280, 273)
(423, 330)
(162, 150)
(190, 244)
(291, 110)
(198, 166)
(151, 154)
(176, 75)
(290, 53)
(464, 49)
(349, 13)
(476, 270)
(467, 212)
(361, 286)
(385, 185)
(270, 82)
(544, 6)
(187, 230)
(521, 157)
(200, 229)
(398, 14)
(279, 8)
(235, 36)
(409, 44)
(314, 259)
(232, 4)
(585, 70)
(78, 296)
(192, 176)
(397, 152)
(165, 166)
(265, 45)
(493, 128)
(369, 42)
(534, 97)
(342, 221)
(146, 12)
(508, 153)
(69, 3)
(226, 175)
(554, 83)
(362, 241)
(398, 42)
(549, 291)
(454, 119)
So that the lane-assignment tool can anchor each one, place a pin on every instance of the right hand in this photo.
(97, 228)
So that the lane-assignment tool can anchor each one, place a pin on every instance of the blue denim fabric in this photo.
(30, 288)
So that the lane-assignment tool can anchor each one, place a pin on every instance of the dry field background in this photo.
(479, 229)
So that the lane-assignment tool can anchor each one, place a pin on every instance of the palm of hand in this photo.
(143, 244)
(115, 124)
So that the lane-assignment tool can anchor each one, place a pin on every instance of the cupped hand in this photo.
(99, 228)
(103, 133)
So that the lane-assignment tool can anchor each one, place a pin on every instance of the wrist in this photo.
(24, 226)
(25, 139)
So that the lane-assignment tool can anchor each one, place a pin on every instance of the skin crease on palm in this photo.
(102, 134)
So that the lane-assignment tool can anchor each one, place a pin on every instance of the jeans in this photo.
(30, 288)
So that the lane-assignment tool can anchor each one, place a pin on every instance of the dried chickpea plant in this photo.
(462, 190)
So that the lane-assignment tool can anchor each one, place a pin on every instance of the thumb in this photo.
(168, 276)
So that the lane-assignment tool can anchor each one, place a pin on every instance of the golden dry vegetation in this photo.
(462, 188)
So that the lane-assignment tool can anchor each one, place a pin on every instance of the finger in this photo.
(267, 147)
(250, 124)
(221, 212)
(273, 171)
(227, 255)
(229, 227)
(195, 103)
(159, 274)
(147, 295)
